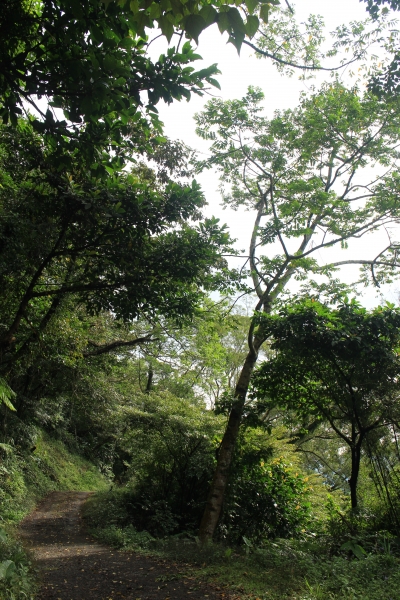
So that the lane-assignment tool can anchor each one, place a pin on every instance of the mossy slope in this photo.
(28, 475)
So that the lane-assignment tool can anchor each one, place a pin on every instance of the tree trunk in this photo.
(149, 384)
(355, 469)
(216, 494)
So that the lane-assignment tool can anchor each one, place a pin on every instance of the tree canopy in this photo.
(122, 244)
(304, 175)
(106, 259)
(339, 366)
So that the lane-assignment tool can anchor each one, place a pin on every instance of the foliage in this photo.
(301, 569)
(27, 475)
(89, 60)
(118, 245)
(304, 175)
(16, 573)
(374, 5)
(6, 394)
(294, 46)
(338, 366)
(382, 454)
(264, 499)
(170, 447)
(107, 514)
(202, 358)
(385, 80)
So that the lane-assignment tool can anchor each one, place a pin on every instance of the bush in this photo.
(267, 497)
(171, 445)
(16, 577)
(266, 501)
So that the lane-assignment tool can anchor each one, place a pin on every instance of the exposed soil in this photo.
(73, 566)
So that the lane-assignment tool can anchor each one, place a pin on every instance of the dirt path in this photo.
(72, 566)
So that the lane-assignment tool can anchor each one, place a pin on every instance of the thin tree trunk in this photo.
(216, 494)
(149, 379)
(355, 469)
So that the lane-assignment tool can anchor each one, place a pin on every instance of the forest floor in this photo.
(73, 566)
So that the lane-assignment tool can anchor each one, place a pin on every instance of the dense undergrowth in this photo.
(26, 476)
(335, 564)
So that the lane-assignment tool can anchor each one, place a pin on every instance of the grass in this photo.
(280, 569)
(27, 476)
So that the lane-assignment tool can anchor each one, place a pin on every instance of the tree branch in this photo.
(117, 344)
(288, 63)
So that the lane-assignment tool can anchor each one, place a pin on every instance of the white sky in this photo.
(280, 92)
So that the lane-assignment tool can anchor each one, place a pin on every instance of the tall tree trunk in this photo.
(150, 375)
(355, 469)
(216, 494)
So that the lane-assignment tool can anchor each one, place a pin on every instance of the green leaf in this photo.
(214, 82)
(7, 449)
(247, 541)
(223, 22)
(134, 6)
(194, 25)
(251, 5)
(154, 11)
(236, 21)
(6, 393)
(209, 14)
(7, 567)
(252, 25)
(237, 41)
(355, 548)
(264, 13)
(166, 27)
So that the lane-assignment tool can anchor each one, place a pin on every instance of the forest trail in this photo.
(73, 566)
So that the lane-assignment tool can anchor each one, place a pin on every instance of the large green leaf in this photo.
(166, 27)
(264, 13)
(194, 25)
(236, 21)
(237, 40)
(251, 5)
(209, 14)
(252, 25)
(7, 568)
(223, 22)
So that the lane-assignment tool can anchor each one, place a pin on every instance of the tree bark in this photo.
(355, 470)
(216, 494)
(149, 384)
(99, 349)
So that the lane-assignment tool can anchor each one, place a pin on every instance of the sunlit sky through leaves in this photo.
(281, 92)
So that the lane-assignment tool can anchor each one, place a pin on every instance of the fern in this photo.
(6, 394)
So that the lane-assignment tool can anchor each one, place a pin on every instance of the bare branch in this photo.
(289, 63)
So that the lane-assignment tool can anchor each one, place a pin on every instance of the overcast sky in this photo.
(280, 92)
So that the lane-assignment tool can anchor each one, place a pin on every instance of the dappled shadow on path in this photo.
(72, 566)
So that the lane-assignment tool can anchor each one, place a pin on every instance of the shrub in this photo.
(16, 577)
(267, 497)
(171, 444)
